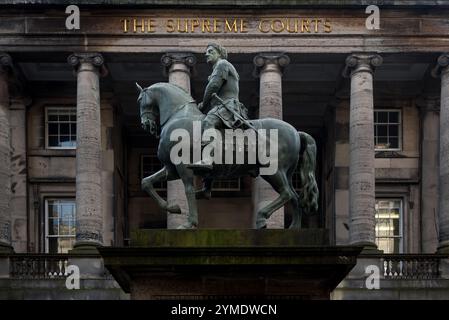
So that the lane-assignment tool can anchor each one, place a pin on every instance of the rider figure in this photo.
(224, 81)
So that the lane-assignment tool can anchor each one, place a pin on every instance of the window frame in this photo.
(46, 226)
(401, 222)
(400, 124)
(50, 108)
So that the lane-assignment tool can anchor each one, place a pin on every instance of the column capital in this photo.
(441, 65)
(357, 62)
(5, 62)
(170, 58)
(264, 60)
(91, 60)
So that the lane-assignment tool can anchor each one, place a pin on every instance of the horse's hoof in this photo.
(261, 224)
(294, 227)
(174, 209)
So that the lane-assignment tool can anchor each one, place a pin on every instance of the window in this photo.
(149, 165)
(59, 225)
(387, 130)
(60, 127)
(389, 225)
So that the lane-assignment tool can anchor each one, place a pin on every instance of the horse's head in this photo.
(149, 111)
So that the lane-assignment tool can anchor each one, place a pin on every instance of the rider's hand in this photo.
(200, 105)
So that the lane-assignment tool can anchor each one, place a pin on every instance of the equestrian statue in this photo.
(165, 107)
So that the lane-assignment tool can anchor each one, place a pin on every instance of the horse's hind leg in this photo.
(281, 185)
(297, 214)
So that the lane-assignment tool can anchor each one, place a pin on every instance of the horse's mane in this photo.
(173, 86)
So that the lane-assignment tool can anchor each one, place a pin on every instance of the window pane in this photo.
(382, 117)
(53, 141)
(61, 126)
(388, 225)
(53, 226)
(394, 143)
(393, 130)
(393, 117)
(64, 128)
(52, 128)
(60, 225)
(382, 130)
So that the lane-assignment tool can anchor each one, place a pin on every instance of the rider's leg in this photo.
(210, 122)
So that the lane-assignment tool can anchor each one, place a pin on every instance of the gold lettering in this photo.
(305, 26)
(195, 24)
(243, 26)
(277, 22)
(151, 25)
(170, 25)
(141, 25)
(288, 26)
(125, 25)
(185, 29)
(205, 26)
(316, 24)
(261, 24)
(228, 26)
(217, 25)
(327, 26)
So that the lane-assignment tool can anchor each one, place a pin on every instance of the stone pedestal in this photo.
(205, 264)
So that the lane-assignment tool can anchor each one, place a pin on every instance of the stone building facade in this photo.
(73, 152)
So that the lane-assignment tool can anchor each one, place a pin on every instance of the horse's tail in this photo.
(308, 198)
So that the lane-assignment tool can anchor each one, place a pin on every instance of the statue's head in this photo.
(214, 52)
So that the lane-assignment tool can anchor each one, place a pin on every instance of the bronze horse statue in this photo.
(170, 107)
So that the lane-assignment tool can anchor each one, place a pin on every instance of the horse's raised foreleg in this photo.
(280, 184)
(148, 186)
(187, 177)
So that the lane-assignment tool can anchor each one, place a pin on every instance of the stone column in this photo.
(89, 219)
(442, 70)
(178, 67)
(5, 159)
(430, 130)
(269, 68)
(361, 150)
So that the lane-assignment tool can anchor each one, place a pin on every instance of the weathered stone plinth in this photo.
(202, 264)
